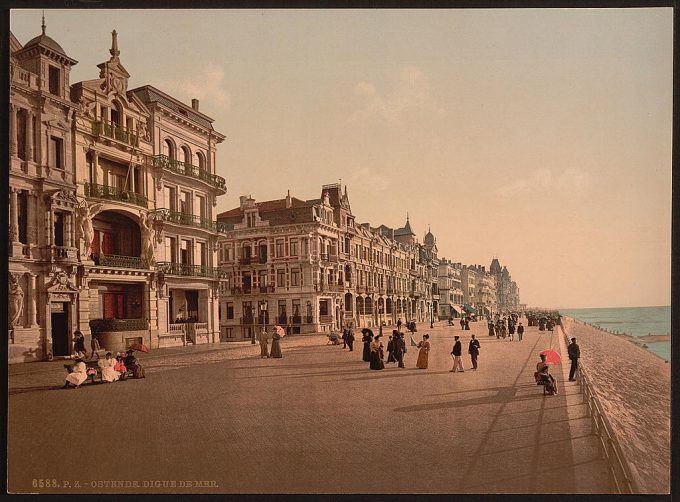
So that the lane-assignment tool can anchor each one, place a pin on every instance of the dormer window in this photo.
(250, 219)
(54, 79)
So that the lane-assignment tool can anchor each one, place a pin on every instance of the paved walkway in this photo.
(316, 421)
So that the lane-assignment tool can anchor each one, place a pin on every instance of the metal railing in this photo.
(180, 218)
(618, 465)
(182, 269)
(113, 260)
(114, 325)
(114, 193)
(179, 167)
(114, 131)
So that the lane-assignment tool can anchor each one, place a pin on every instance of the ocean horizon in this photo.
(634, 321)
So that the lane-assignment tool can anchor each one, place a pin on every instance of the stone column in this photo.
(29, 135)
(13, 215)
(68, 230)
(132, 179)
(30, 218)
(32, 300)
(48, 220)
(95, 167)
(12, 130)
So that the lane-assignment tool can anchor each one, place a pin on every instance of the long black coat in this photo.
(473, 349)
(457, 348)
(367, 348)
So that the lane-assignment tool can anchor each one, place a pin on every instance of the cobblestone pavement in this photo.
(316, 421)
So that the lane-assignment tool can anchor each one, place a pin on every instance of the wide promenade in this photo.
(316, 421)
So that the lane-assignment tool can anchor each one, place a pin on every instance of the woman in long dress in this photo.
(276, 346)
(367, 338)
(78, 375)
(376, 348)
(423, 355)
(109, 374)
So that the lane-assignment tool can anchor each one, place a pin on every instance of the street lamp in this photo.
(263, 313)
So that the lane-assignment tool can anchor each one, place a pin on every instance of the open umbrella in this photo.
(366, 331)
(551, 356)
(280, 330)
(139, 346)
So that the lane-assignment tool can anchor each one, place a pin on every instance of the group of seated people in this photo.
(111, 369)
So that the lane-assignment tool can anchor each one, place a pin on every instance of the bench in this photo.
(544, 382)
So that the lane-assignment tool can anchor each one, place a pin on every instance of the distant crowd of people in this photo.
(112, 369)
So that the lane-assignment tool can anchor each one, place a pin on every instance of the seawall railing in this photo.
(621, 470)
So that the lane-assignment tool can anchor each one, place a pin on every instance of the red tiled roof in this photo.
(267, 206)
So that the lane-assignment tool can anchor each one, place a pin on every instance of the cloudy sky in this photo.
(542, 137)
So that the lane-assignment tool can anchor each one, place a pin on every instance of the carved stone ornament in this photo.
(16, 301)
(60, 283)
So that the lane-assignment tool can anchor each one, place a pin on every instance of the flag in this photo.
(413, 343)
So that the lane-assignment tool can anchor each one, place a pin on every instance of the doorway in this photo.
(60, 341)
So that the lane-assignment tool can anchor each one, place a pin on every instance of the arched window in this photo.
(169, 149)
(116, 114)
(186, 153)
(201, 161)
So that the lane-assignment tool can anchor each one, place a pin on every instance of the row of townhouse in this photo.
(309, 266)
(112, 230)
(112, 194)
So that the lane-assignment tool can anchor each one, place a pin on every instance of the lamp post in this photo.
(263, 313)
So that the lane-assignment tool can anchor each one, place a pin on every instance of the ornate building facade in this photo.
(307, 265)
(507, 291)
(90, 173)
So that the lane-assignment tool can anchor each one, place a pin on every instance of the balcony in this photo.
(61, 254)
(113, 325)
(118, 261)
(253, 260)
(185, 219)
(117, 194)
(114, 131)
(166, 267)
(176, 166)
(266, 289)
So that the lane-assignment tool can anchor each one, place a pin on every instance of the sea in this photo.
(635, 321)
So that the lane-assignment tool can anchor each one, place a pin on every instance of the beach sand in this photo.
(634, 388)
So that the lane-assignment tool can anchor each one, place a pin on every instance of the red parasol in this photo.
(280, 331)
(139, 346)
(551, 356)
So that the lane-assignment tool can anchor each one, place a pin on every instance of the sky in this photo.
(541, 137)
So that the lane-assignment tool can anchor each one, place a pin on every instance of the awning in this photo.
(457, 309)
(468, 309)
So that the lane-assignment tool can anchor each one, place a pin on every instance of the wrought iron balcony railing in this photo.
(182, 269)
(114, 131)
(114, 193)
(179, 167)
(118, 261)
(113, 325)
(190, 220)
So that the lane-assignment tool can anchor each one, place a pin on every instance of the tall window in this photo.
(58, 229)
(169, 149)
(21, 134)
(202, 253)
(170, 249)
(201, 161)
(186, 154)
(294, 248)
(185, 254)
(295, 277)
(279, 248)
(250, 219)
(230, 310)
(116, 114)
(54, 81)
(281, 278)
(56, 152)
(22, 214)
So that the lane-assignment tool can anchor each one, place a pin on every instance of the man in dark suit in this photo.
(398, 347)
(473, 350)
(456, 353)
(574, 353)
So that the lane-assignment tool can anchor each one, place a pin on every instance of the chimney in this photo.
(289, 201)
(194, 104)
(243, 199)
